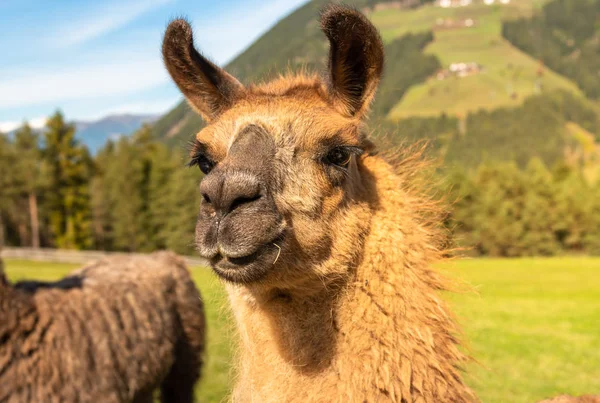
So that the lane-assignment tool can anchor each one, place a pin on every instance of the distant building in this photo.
(463, 3)
(459, 70)
(453, 3)
(449, 23)
(400, 4)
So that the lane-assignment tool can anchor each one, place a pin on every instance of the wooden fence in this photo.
(75, 256)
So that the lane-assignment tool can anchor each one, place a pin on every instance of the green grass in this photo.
(505, 68)
(533, 326)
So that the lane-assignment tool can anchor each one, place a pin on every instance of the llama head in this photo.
(285, 192)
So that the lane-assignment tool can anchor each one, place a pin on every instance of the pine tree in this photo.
(29, 169)
(100, 200)
(7, 188)
(160, 207)
(124, 178)
(184, 196)
(69, 169)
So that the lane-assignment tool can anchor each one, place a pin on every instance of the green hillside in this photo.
(573, 49)
(508, 75)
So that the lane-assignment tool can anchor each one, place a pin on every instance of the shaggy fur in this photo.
(113, 331)
(344, 306)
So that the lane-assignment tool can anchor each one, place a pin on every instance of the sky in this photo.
(95, 58)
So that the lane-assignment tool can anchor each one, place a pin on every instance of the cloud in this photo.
(86, 82)
(9, 126)
(150, 107)
(6, 127)
(101, 21)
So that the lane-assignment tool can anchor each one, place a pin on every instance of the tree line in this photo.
(137, 195)
(134, 195)
(503, 210)
(537, 128)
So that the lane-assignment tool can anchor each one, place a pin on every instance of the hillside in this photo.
(94, 134)
(473, 34)
(445, 68)
(573, 49)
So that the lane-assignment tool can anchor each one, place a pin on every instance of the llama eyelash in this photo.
(200, 158)
(350, 150)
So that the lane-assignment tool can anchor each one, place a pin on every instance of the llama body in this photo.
(385, 334)
(325, 250)
(113, 331)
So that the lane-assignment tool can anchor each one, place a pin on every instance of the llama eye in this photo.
(339, 156)
(202, 162)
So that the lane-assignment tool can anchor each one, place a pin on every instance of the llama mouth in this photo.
(250, 268)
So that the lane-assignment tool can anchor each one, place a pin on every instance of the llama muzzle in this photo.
(239, 227)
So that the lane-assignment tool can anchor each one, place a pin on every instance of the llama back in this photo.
(111, 331)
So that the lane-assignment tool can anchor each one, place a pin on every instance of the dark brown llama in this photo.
(113, 331)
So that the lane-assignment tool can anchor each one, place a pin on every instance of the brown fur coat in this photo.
(111, 332)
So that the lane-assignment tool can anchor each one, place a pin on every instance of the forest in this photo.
(137, 195)
(134, 195)
(572, 49)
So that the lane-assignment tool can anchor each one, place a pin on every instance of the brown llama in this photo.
(325, 250)
(113, 331)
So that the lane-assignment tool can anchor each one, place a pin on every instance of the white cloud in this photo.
(102, 20)
(9, 126)
(33, 87)
(36, 123)
(151, 107)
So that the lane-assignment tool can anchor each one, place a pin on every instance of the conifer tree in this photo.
(184, 199)
(68, 200)
(29, 170)
(7, 190)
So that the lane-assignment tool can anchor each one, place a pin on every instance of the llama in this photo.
(325, 248)
(113, 331)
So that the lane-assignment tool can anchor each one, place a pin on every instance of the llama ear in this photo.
(209, 89)
(355, 59)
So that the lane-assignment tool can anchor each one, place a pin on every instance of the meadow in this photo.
(532, 325)
(508, 75)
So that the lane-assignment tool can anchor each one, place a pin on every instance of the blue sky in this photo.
(93, 58)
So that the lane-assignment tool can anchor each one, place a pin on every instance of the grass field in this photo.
(506, 70)
(533, 325)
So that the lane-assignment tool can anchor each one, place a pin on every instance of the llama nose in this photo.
(228, 191)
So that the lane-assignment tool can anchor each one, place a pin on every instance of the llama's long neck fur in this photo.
(385, 335)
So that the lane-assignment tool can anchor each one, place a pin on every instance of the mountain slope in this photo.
(94, 134)
(506, 75)
(570, 32)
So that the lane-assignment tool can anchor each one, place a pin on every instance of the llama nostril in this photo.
(243, 200)
(206, 198)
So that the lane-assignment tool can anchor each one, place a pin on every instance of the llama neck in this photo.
(392, 320)
(386, 333)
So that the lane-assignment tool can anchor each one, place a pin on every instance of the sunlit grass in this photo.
(533, 326)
